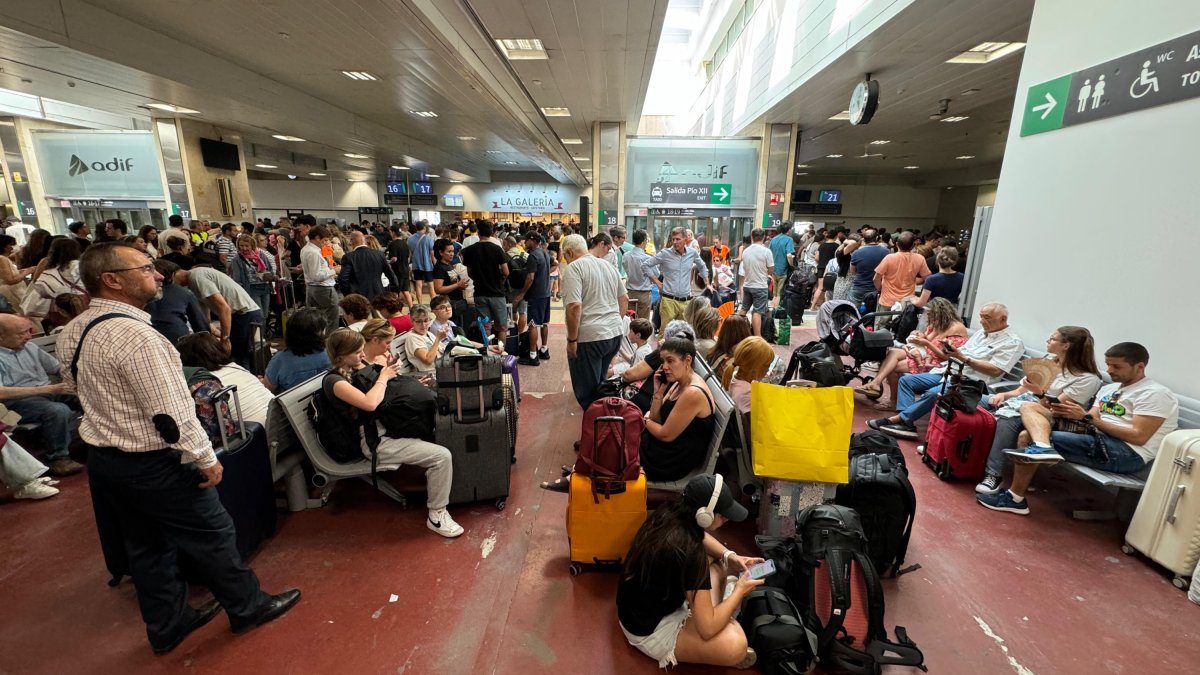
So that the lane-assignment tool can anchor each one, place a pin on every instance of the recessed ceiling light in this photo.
(314, 173)
(556, 112)
(290, 139)
(965, 157)
(956, 118)
(360, 75)
(880, 142)
(582, 159)
(833, 156)
(455, 181)
(433, 175)
(802, 173)
(527, 49)
(266, 166)
(572, 141)
(167, 107)
(399, 168)
(986, 52)
(491, 152)
(801, 166)
(467, 138)
(423, 113)
(352, 155)
(844, 115)
(912, 166)
(867, 155)
(510, 162)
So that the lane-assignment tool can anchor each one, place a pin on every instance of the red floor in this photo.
(996, 593)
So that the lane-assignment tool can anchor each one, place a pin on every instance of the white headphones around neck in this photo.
(705, 515)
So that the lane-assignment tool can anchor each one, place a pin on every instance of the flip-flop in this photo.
(871, 394)
(561, 485)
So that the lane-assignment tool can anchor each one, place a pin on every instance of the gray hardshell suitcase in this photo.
(469, 385)
(481, 457)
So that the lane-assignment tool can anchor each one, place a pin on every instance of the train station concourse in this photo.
(402, 336)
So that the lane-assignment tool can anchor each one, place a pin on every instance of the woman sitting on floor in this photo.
(345, 348)
(916, 356)
(675, 603)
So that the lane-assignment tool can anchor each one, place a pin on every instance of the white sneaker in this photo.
(47, 480)
(440, 521)
(35, 490)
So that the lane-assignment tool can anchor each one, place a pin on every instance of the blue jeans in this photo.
(1008, 429)
(917, 395)
(55, 414)
(589, 367)
(1097, 450)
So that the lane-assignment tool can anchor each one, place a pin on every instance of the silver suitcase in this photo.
(1166, 525)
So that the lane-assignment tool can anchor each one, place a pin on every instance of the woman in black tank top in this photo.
(679, 426)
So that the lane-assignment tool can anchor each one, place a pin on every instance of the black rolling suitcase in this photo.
(246, 489)
(475, 431)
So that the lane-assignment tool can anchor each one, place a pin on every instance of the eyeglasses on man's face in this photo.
(148, 268)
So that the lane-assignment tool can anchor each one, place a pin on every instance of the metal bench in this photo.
(328, 472)
(287, 458)
(723, 408)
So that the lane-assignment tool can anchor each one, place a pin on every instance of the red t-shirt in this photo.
(402, 323)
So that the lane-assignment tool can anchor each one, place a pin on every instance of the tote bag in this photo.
(801, 434)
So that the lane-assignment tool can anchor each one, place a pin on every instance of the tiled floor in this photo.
(996, 593)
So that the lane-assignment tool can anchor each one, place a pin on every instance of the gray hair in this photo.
(678, 328)
(421, 311)
(575, 243)
(100, 258)
(996, 307)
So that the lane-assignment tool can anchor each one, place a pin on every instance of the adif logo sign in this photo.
(78, 166)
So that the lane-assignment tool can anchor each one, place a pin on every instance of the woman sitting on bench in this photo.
(679, 425)
(916, 356)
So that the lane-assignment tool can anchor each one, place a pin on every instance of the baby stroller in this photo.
(848, 334)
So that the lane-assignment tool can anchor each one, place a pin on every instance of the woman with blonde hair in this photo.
(347, 354)
(751, 360)
(378, 334)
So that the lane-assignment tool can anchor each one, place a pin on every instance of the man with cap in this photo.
(674, 601)
(536, 292)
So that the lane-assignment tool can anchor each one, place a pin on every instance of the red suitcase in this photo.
(957, 443)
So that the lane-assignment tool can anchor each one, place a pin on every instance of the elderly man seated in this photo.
(987, 356)
(25, 388)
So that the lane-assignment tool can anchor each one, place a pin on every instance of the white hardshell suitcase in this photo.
(1166, 525)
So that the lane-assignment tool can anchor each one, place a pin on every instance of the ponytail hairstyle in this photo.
(1081, 350)
(340, 344)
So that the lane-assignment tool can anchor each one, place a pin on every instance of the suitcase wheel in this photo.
(1181, 583)
(943, 471)
(1127, 549)
(575, 569)
(500, 504)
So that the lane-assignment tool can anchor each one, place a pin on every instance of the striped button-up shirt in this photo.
(128, 373)
(676, 270)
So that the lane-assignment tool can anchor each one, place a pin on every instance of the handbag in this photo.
(960, 392)
(801, 434)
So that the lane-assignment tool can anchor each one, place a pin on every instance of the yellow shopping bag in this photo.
(801, 434)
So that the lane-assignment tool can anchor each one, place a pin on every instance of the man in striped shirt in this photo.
(151, 467)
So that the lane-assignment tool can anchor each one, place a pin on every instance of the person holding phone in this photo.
(421, 347)
(674, 601)
(679, 424)
(347, 353)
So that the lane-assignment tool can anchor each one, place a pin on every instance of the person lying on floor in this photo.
(1123, 431)
(346, 354)
(988, 355)
(674, 601)
(679, 424)
(1077, 382)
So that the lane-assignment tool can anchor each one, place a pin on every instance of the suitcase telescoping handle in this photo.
(237, 406)
(1174, 503)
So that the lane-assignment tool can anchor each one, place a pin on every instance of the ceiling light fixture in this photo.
(956, 118)
(314, 173)
(467, 138)
(582, 159)
(266, 166)
(352, 155)
(455, 181)
(556, 112)
(359, 75)
(399, 168)
(510, 162)
(290, 139)
(801, 166)
(526, 49)
(423, 113)
(880, 142)
(572, 141)
(491, 152)
(433, 175)
(844, 115)
(912, 166)
(833, 156)
(167, 107)
(986, 52)
(965, 157)
(802, 173)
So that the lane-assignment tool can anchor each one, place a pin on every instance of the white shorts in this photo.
(660, 645)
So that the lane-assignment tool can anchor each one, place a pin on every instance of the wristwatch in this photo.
(1087, 418)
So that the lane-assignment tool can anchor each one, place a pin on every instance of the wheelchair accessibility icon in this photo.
(1146, 83)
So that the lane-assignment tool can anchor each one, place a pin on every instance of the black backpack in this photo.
(814, 361)
(880, 492)
(408, 409)
(851, 636)
(777, 633)
(903, 324)
(517, 269)
(339, 434)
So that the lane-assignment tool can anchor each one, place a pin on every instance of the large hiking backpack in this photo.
(611, 442)
(409, 408)
(777, 633)
(880, 492)
(841, 599)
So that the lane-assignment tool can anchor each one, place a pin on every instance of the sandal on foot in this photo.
(870, 392)
(561, 485)
(566, 470)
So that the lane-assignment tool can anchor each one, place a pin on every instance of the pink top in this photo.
(924, 362)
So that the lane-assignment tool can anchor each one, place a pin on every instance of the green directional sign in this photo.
(721, 193)
(1045, 105)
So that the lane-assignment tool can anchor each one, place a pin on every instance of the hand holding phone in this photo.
(762, 570)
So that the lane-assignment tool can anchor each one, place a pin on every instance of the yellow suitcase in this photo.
(601, 524)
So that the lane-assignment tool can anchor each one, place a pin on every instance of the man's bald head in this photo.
(357, 239)
(15, 331)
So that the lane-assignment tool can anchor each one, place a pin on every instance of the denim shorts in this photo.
(1097, 450)
(759, 298)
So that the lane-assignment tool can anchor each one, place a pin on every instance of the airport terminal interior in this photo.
(1040, 155)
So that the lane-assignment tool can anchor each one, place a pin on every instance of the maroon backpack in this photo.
(612, 440)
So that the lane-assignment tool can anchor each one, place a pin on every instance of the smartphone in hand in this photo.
(763, 569)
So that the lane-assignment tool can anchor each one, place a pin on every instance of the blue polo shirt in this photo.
(28, 366)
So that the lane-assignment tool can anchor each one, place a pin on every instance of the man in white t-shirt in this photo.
(595, 301)
(757, 261)
(1127, 425)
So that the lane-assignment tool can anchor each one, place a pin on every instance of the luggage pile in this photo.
(476, 420)
(960, 431)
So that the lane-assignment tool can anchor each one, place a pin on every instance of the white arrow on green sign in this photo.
(1045, 105)
(720, 193)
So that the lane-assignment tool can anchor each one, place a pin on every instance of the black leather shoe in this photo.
(204, 614)
(276, 607)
